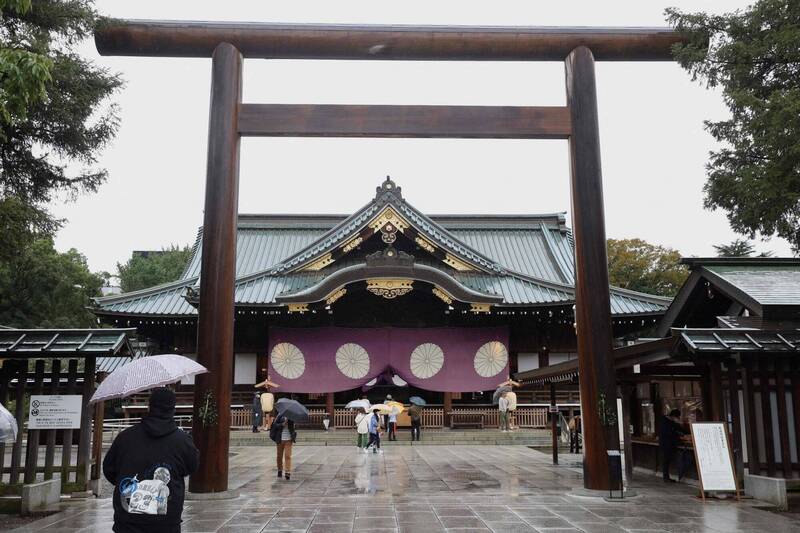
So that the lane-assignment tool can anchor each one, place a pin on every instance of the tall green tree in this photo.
(55, 116)
(146, 270)
(640, 266)
(753, 56)
(43, 288)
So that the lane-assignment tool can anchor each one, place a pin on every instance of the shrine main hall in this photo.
(388, 300)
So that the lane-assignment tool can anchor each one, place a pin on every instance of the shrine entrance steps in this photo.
(538, 438)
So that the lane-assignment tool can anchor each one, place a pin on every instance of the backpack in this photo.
(275, 430)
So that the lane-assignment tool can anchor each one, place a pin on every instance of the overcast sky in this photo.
(654, 148)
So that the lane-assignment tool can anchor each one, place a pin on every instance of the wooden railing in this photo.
(432, 417)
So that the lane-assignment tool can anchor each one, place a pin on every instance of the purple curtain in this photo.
(388, 348)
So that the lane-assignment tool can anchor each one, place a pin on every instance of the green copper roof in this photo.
(525, 259)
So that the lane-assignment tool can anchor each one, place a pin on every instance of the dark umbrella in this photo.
(416, 400)
(292, 409)
(498, 392)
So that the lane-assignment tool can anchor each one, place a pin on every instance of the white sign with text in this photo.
(713, 454)
(55, 412)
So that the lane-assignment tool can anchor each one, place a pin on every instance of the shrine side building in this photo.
(388, 298)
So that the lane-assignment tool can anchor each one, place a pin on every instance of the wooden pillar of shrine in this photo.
(554, 422)
(218, 270)
(592, 300)
(447, 407)
(329, 406)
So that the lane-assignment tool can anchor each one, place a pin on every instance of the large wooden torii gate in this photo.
(230, 119)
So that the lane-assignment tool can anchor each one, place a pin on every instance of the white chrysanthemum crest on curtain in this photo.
(426, 360)
(352, 360)
(491, 359)
(288, 361)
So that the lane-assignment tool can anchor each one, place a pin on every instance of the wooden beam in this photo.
(216, 308)
(736, 418)
(156, 38)
(592, 300)
(751, 427)
(408, 121)
(84, 459)
(766, 415)
(783, 417)
(715, 381)
(32, 450)
(554, 423)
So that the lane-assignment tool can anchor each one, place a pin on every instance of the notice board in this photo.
(55, 412)
(712, 451)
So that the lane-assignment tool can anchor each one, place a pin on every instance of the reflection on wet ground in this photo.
(433, 489)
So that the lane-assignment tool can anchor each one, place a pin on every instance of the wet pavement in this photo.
(434, 489)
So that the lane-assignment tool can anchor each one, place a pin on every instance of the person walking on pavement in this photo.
(393, 424)
(256, 414)
(362, 430)
(575, 434)
(386, 416)
(375, 431)
(284, 436)
(502, 406)
(147, 464)
(415, 414)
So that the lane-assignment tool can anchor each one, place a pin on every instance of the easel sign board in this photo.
(712, 452)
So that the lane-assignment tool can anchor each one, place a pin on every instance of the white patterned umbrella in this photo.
(491, 359)
(146, 373)
(8, 426)
(426, 360)
(288, 361)
(352, 360)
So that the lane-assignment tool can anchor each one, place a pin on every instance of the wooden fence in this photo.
(17, 384)
(432, 417)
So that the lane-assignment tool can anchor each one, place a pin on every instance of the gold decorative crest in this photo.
(320, 263)
(388, 216)
(350, 245)
(335, 296)
(425, 245)
(389, 288)
(298, 308)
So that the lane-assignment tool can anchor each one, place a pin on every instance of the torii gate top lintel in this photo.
(158, 38)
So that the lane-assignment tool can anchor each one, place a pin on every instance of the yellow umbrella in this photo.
(400, 406)
(382, 407)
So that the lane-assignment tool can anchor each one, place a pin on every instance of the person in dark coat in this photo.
(147, 464)
(669, 436)
(257, 414)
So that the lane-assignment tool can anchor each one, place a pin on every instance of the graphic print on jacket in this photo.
(148, 496)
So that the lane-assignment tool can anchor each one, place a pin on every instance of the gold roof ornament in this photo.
(480, 308)
(425, 245)
(352, 244)
(457, 263)
(335, 296)
(298, 308)
(390, 288)
(443, 296)
(320, 263)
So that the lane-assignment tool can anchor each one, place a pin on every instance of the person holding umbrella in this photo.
(415, 413)
(283, 433)
(147, 464)
(362, 430)
(375, 430)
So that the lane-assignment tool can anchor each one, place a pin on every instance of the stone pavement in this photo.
(433, 489)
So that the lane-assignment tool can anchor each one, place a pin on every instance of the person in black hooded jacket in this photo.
(147, 464)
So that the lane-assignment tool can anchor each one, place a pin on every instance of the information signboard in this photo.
(712, 451)
(55, 412)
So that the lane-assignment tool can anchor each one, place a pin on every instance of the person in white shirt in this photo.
(502, 405)
(362, 430)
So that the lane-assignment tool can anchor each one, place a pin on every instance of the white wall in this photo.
(527, 361)
(245, 369)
